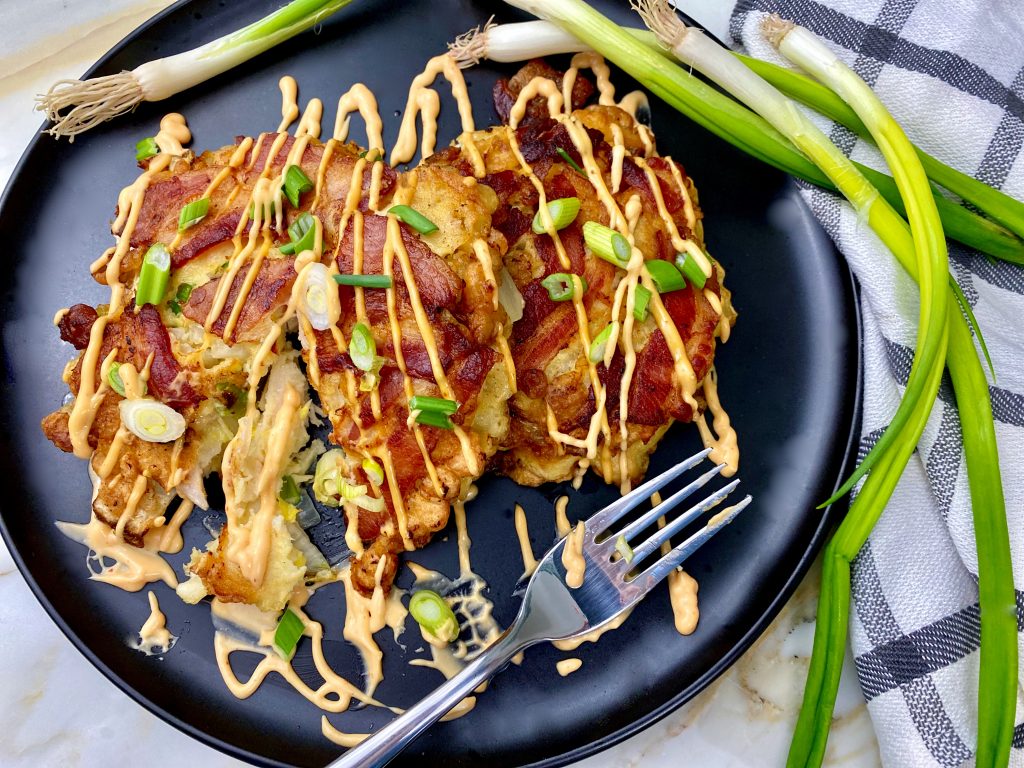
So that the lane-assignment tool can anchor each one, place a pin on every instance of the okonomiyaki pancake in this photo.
(573, 409)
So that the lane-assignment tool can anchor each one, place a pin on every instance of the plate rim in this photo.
(829, 517)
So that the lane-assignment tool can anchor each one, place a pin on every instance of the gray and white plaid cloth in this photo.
(952, 73)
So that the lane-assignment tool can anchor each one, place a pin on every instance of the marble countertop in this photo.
(58, 710)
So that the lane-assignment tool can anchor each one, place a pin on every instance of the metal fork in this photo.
(553, 611)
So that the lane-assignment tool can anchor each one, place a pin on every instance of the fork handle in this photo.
(380, 748)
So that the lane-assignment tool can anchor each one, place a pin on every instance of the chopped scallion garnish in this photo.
(563, 212)
(691, 269)
(296, 183)
(413, 218)
(365, 281)
(290, 491)
(156, 269)
(605, 243)
(114, 378)
(372, 155)
(561, 286)
(599, 345)
(302, 233)
(374, 472)
(664, 275)
(192, 213)
(568, 159)
(289, 629)
(433, 613)
(434, 419)
(151, 420)
(432, 404)
(146, 148)
(184, 292)
(641, 299)
(362, 347)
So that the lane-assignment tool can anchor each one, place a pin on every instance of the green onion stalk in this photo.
(75, 106)
(637, 54)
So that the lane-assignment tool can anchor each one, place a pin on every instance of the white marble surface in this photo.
(59, 711)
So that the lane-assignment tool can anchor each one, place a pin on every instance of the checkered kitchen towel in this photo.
(953, 74)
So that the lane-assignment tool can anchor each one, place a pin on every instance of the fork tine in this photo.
(599, 522)
(675, 558)
(649, 517)
(676, 525)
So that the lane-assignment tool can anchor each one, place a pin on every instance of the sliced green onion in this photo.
(269, 210)
(599, 345)
(156, 269)
(562, 211)
(290, 491)
(372, 155)
(568, 159)
(433, 404)
(434, 419)
(302, 234)
(317, 306)
(146, 149)
(433, 613)
(174, 306)
(561, 286)
(605, 243)
(374, 472)
(77, 106)
(370, 503)
(362, 347)
(114, 378)
(664, 275)
(365, 281)
(413, 218)
(296, 183)
(183, 293)
(289, 629)
(192, 213)
(350, 492)
(641, 299)
(623, 548)
(691, 269)
(152, 421)
(327, 477)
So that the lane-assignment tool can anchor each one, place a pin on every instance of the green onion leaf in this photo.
(183, 293)
(433, 404)
(289, 491)
(691, 269)
(174, 306)
(413, 218)
(114, 378)
(434, 614)
(623, 548)
(563, 212)
(641, 299)
(302, 233)
(295, 184)
(605, 243)
(362, 348)
(434, 419)
(664, 275)
(192, 213)
(568, 158)
(146, 148)
(562, 286)
(372, 155)
(156, 269)
(365, 281)
(599, 344)
(289, 629)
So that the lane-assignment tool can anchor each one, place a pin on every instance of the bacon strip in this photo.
(270, 291)
(143, 334)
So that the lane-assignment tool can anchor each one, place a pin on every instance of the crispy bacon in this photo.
(143, 334)
(206, 234)
(76, 324)
(270, 291)
(163, 201)
(507, 90)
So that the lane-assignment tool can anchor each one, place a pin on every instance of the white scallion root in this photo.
(775, 28)
(75, 106)
(470, 48)
(661, 19)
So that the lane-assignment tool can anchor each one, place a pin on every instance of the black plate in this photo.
(789, 378)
